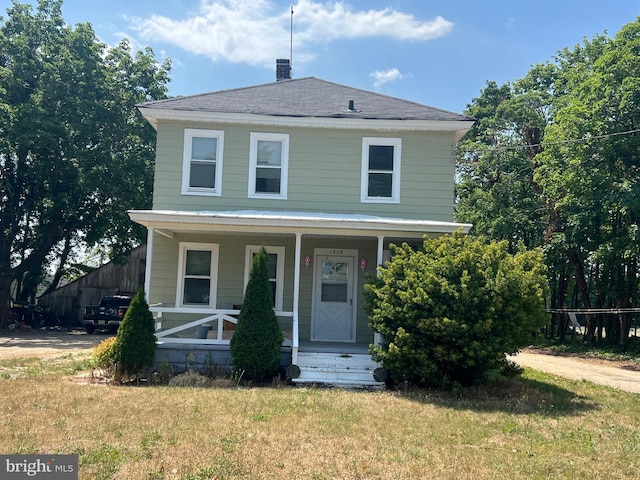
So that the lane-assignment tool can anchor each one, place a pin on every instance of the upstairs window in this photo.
(202, 162)
(268, 165)
(380, 181)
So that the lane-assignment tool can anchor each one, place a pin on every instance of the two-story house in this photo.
(322, 175)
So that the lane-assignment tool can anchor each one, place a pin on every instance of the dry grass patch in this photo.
(67, 364)
(535, 427)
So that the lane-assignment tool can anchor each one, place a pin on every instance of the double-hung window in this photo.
(268, 165)
(202, 162)
(275, 264)
(380, 181)
(197, 275)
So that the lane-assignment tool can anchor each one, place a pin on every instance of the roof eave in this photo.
(154, 115)
(231, 222)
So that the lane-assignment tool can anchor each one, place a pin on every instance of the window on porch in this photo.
(275, 264)
(197, 275)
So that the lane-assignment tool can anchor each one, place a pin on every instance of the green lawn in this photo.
(534, 427)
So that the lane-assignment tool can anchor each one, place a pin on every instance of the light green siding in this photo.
(324, 172)
(164, 275)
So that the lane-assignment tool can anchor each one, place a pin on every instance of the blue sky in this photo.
(436, 52)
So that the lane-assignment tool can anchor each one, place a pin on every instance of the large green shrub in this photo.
(451, 312)
(135, 344)
(256, 343)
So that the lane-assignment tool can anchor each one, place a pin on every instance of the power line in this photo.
(584, 139)
(595, 311)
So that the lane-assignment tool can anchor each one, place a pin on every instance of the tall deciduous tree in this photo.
(74, 153)
(592, 172)
(559, 149)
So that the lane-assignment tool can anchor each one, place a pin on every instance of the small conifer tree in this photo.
(135, 343)
(256, 342)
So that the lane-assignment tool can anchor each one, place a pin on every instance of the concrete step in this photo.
(335, 373)
(340, 370)
(335, 360)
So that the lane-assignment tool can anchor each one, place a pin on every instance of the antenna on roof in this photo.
(291, 45)
(284, 66)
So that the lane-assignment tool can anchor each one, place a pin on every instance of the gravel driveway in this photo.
(46, 343)
(612, 374)
(49, 343)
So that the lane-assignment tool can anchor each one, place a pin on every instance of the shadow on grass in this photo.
(518, 395)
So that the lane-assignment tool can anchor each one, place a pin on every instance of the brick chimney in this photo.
(283, 69)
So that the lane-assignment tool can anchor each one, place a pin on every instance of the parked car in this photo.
(32, 315)
(107, 315)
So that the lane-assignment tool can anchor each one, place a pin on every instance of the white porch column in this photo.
(147, 267)
(295, 341)
(377, 338)
(380, 252)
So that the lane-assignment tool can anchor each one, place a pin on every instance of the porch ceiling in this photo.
(247, 222)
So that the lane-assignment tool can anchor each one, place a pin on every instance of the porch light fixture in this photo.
(363, 264)
(307, 262)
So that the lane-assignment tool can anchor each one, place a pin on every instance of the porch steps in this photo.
(338, 370)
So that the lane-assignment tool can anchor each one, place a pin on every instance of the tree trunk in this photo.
(63, 261)
(5, 299)
(557, 301)
(583, 290)
(625, 326)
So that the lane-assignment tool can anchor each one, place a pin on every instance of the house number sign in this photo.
(335, 251)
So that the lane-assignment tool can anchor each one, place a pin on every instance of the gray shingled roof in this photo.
(306, 97)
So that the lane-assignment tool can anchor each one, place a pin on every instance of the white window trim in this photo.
(396, 143)
(189, 133)
(248, 257)
(253, 164)
(182, 256)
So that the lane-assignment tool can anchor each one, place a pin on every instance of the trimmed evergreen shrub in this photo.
(450, 313)
(256, 342)
(135, 343)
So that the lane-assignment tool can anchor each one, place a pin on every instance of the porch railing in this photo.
(220, 317)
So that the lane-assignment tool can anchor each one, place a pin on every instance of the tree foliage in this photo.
(135, 344)
(573, 187)
(256, 342)
(74, 153)
(451, 312)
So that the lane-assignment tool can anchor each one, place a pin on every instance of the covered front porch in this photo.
(320, 264)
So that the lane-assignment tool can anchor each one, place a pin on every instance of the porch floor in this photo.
(334, 347)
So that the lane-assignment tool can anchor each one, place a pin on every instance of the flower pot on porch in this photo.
(202, 330)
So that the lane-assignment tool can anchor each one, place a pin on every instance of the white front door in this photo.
(333, 296)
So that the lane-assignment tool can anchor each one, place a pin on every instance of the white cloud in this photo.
(323, 22)
(511, 24)
(256, 31)
(382, 77)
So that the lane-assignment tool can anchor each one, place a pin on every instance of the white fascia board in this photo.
(289, 223)
(154, 114)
